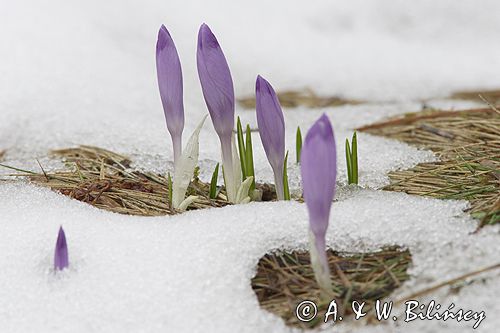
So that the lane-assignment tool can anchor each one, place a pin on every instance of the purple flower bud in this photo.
(218, 91)
(271, 129)
(168, 68)
(61, 252)
(216, 82)
(319, 170)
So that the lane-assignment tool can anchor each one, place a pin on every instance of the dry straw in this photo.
(307, 98)
(284, 279)
(468, 145)
(106, 180)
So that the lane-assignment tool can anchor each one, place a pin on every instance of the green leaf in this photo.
(249, 158)
(241, 148)
(196, 172)
(213, 182)
(354, 158)
(298, 144)
(169, 184)
(286, 189)
(348, 161)
(224, 178)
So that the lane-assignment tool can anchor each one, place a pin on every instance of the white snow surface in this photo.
(74, 72)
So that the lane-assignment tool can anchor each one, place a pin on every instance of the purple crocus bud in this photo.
(61, 252)
(216, 81)
(168, 68)
(319, 170)
(218, 91)
(271, 129)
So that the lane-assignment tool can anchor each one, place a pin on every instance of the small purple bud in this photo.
(319, 170)
(271, 129)
(168, 68)
(61, 252)
(216, 82)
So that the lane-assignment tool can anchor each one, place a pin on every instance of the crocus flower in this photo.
(218, 91)
(319, 170)
(168, 68)
(61, 252)
(271, 129)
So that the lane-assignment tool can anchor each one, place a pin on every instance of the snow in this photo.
(191, 272)
(83, 73)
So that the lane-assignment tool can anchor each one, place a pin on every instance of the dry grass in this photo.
(104, 179)
(493, 96)
(284, 279)
(468, 144)
(307, 98)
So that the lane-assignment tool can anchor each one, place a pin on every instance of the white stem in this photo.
(177, 144)
(227, 162)
(319, 263)
(278, 183)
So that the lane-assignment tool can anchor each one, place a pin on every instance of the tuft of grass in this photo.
(298, 144)
(285, 278)
(351, 156)
(468, 145)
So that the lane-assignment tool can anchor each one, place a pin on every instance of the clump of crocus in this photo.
(319, 170)
(168, 68)
(271, 129)
(218, 91)
(61, 251)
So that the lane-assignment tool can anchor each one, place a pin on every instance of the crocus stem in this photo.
(278, 183)
(227, 162)
(319, 264)
(177, 144)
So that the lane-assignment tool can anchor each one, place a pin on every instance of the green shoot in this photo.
(246, 153)
(351, 157)
(241, 148)
(298, 144)
(213, 182)
(286, 189)
(249, 158)
(348, 160)
(169, 184)
(354, 158)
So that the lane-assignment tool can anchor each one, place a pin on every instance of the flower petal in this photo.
(271, 123)
(216, 82)
(169, 74)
